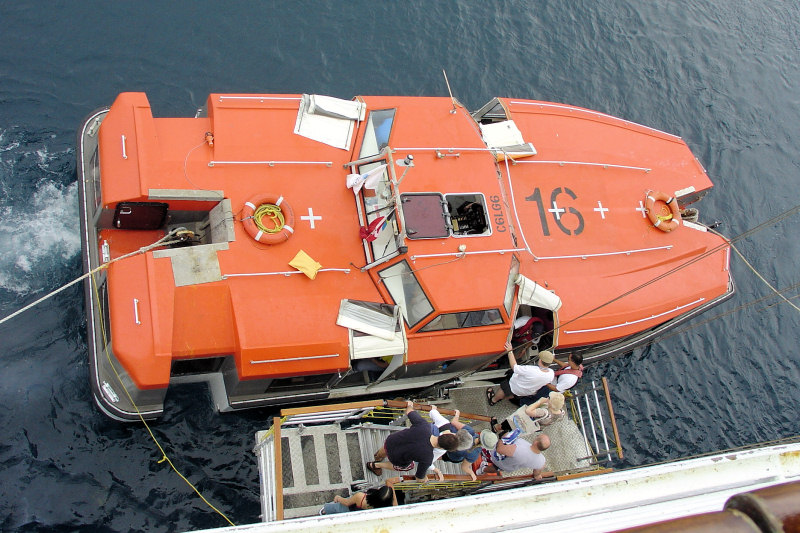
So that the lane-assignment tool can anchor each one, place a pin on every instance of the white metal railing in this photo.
(651, 317)
(456, 152)
(305, 358)
(265, 450)
(259, 98)
(592, 422)
(327, 417)
(270, 163)
(584, 163)
(601, 254)
(282, 273)
(462, 254)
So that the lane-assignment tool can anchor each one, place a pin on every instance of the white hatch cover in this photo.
(375, 328)
(328, 120)
(533, 294)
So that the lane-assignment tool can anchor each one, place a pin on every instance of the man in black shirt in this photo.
(413, 444)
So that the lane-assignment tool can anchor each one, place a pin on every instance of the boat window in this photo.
(301, 383)
(512, 276)
(492, 112)
(468, 214)
(94, 178)
(469, 319)
(406, 292)
(189, 367)
(378, 199)
(424, 215)
(376, 134)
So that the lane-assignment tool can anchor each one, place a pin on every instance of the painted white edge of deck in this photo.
(605, 502)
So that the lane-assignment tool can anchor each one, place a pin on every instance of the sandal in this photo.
(495, 425)
(490, 396)
(374, 469)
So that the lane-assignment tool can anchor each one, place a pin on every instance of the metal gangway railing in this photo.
(593, 417)
(372, 421)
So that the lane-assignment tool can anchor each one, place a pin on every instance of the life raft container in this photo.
(277, 209)
(668, 219)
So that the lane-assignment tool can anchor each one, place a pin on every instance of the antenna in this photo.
(452, 111)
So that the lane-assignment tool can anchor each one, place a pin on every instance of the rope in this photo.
(164, 457)
(161, 242)
(274, 213)
(435, 485)
(756, 272)
(665, 217)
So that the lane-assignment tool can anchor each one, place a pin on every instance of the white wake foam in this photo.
(39, 234)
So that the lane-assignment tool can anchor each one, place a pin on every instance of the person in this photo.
(566, 377)
(440, 426)
(525, 379)
(527, 329)
(508, 456)
(415, 444)
(529, 418)
(373, 498)
(374, 366)
(468, 449)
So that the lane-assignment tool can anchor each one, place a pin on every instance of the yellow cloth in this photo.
(303, 262)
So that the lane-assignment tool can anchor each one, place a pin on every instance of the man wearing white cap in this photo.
(525, 380)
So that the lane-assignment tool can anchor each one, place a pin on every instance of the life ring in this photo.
(274, 207)
(664, 221)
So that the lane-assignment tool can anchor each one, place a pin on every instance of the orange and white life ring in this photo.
(664, 219)
(273, 207)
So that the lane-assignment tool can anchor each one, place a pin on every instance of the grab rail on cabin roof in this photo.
(270, 163)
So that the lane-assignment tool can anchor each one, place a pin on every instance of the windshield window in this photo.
(379, 211)
(376, 135)
(406, 292)
(469, 319)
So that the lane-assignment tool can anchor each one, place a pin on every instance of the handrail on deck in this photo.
(575, 399)
(426, 408)
(278, 499)
(611, 416)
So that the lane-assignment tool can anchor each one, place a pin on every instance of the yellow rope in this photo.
(666, 217)
(274, 213)
(434, 485)
(150, 431)
(269, 433)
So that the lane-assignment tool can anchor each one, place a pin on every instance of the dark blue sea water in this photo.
(722, 74)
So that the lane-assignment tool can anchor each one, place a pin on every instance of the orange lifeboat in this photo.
(669, 216)
(274, 208)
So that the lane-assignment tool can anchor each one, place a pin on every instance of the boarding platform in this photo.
(311, 454)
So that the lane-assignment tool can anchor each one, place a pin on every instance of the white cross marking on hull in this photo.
(642, 209)
(557, 211)
(601, 209)
(311, 218)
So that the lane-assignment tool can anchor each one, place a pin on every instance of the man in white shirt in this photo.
(565, 378)
(525, 380)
